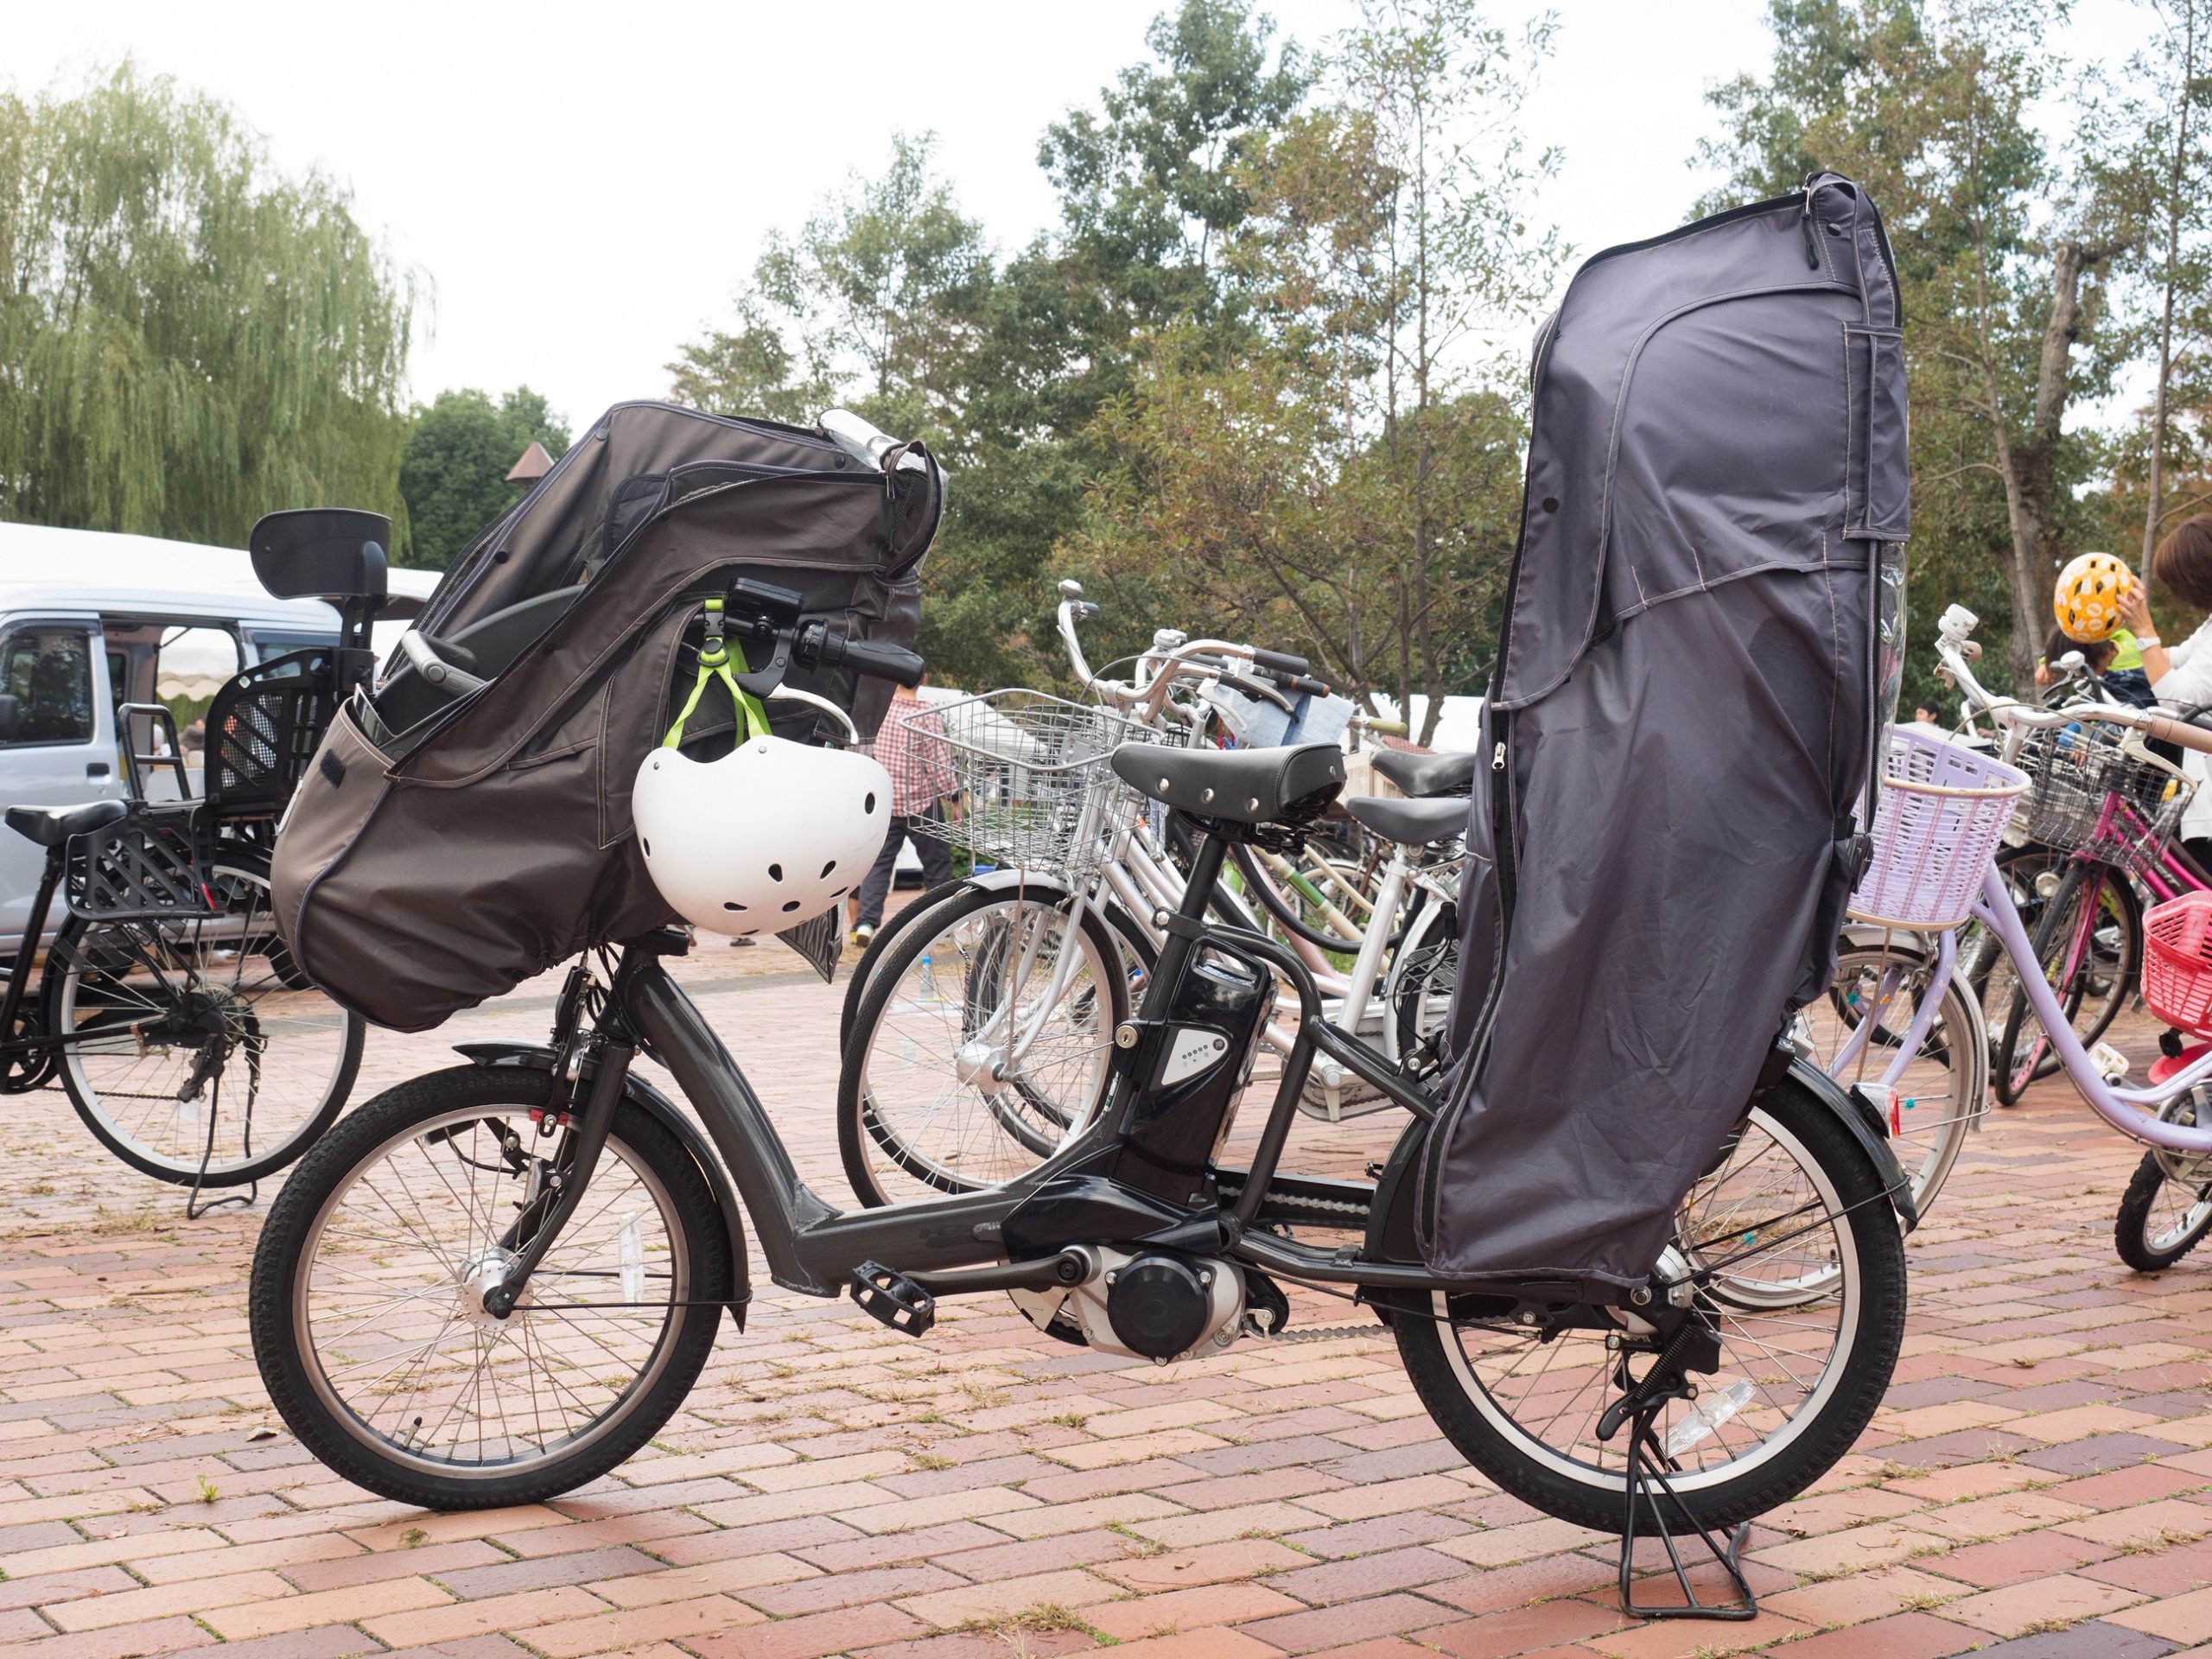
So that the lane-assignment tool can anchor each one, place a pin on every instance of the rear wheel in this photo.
(366, 1299)
(190, 1041)
(1793, 1201)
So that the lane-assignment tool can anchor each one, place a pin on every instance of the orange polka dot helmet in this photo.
(2087, 601)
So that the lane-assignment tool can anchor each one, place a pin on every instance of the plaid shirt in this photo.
(915, 756)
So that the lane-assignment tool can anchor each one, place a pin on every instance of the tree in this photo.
(890, 299)
(1343, 472)
(454, 473)
(873, 303)
(2005, 254)
(189, 338)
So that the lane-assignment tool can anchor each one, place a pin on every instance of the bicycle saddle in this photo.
(1420, 775)
(1252, 787)
(1411, 823)
(49, 826)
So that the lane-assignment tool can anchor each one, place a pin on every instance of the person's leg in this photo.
(877, 883)
(936, 854)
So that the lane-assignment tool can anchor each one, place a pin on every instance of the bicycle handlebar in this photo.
(820, 646)
(1951, 644)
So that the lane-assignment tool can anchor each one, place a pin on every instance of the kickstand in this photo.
(1647, 1486)
(1647, 1489)
(193, 1208)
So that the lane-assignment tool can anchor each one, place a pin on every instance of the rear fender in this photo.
(658, 1106)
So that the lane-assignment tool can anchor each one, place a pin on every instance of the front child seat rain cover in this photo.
(440, 850)
(1681, 720)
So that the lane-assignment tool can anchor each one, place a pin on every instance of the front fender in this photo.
(658, 1106)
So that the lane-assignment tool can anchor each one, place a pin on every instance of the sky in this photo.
(580, 188)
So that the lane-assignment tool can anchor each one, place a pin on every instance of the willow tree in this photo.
(188, 338)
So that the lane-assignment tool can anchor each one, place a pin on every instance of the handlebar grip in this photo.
(902, 666)
(2179, 733)
(1282, 663)
(1386, 728)
(1308, 685)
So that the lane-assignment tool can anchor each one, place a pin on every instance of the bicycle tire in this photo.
(2142, 1243)
(1589, 1495)
(301, 1384)
(74, 948)
(862, 1123)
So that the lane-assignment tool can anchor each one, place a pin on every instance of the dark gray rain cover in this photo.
(1684, 705)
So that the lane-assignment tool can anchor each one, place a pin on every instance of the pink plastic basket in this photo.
(1942, 810)
(2177, 962)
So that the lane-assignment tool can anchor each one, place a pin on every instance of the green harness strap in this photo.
(719, 659)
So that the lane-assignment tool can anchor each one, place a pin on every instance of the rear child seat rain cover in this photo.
(440, 852)
(1699, 637)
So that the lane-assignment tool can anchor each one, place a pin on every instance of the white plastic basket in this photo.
(1943, 809)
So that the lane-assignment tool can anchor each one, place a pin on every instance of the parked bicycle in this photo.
(2168, 1208)
(495, 1283)
(976, 1026)
(186, 1038)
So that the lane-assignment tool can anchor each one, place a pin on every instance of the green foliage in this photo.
(190, 339)
(890, 299)
(2005, 253)
(453, 471)
(1341, 473)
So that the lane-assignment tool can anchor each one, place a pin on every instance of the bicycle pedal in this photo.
(2111, 1063)
(892, 1297)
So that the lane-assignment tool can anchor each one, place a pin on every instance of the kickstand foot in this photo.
(1651, 1495)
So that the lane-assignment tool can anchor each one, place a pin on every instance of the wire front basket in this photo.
(1035, 792)
(2093, 790)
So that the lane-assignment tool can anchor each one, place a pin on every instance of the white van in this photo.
(90, 621)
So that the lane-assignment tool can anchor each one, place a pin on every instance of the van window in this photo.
(49, 670)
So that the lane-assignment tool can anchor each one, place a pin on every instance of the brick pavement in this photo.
(2038, 1485)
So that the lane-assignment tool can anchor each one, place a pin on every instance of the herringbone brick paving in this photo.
(2038, 1485)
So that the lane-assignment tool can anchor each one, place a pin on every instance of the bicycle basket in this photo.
(1031, 771)
(2076, 771)
(2177, 962)
(143, 868)
(1943, 809)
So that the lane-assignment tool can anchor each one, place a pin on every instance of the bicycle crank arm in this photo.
(608, 1077)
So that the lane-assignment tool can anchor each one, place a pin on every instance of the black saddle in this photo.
(49, 826)
(1250, 787)
(1411, 823)
(1427, 774)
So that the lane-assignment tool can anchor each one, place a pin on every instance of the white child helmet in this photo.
(770, 836)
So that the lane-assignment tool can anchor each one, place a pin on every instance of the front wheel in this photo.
(1793, 1202)
(981, 1043)
(366, 1302)
(2165, 1212)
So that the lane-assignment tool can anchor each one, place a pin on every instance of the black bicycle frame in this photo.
(959, 1243)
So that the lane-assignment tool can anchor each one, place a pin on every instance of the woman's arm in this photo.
(2135, 617)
